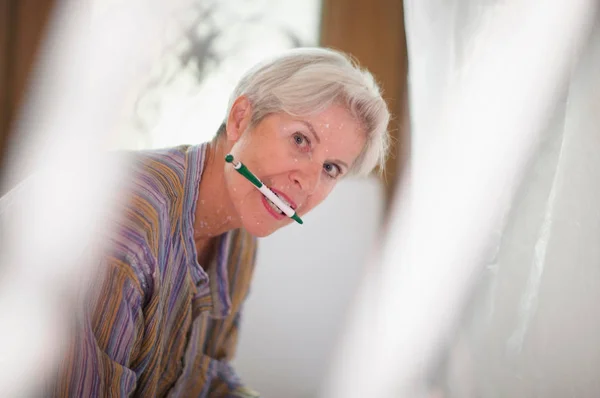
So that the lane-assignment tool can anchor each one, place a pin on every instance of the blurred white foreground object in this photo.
(530, 328)
(471, 149)
(87, 65)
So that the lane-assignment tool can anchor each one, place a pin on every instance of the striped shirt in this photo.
(160, 324)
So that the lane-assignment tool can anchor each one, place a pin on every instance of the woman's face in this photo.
(300, 159)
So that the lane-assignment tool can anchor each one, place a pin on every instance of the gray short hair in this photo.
(306, 81)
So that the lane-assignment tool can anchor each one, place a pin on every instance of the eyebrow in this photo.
(312, 130)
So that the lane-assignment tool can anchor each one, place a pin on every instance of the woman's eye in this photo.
(332, 170)
(301, 141)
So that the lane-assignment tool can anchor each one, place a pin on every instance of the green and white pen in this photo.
(243, 170)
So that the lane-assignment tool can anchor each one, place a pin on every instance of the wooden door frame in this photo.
(22, 29)
(373, 32)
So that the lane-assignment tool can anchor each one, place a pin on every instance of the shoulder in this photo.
(158, 175)
(149, 210)
(150, 199)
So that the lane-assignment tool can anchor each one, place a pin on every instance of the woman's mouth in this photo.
(272, 207)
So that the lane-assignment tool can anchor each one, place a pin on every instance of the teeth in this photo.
(284, 201)
(274, 206)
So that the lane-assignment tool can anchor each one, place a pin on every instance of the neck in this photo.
(215, 213)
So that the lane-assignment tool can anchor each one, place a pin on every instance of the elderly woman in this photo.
(165, 320)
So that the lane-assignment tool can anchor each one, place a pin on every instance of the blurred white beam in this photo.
(87, 65)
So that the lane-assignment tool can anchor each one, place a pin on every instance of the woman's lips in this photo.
(275, 214)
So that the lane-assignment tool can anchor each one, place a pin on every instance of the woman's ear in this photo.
(239, 118)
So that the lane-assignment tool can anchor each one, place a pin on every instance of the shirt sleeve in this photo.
(106, 339)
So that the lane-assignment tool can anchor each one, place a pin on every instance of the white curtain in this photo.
(531, 328)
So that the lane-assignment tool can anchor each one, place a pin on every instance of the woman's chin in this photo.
(260, 228)
(259, 221)
(258, 231)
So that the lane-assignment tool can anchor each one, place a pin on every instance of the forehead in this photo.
(333, 119)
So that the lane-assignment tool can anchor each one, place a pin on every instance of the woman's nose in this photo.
(307, 179)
